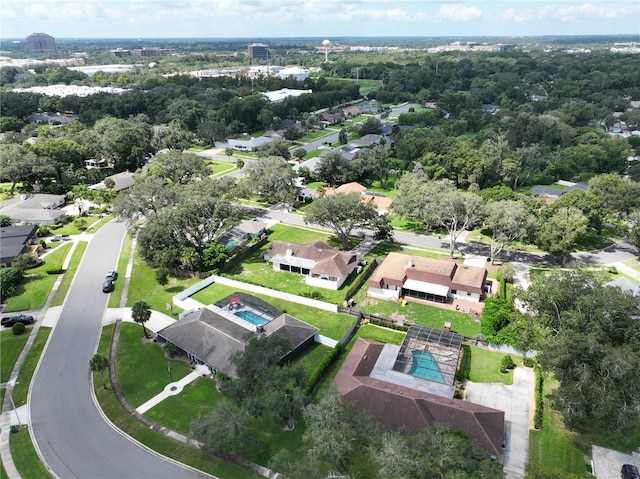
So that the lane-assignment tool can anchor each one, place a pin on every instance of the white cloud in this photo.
(516, 16)
(459, 13)
(588, 11)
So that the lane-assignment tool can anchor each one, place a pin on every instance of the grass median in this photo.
(29, 366)
(70, 272)
(10, 348)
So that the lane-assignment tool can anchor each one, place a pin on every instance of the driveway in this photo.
(607, 463)
(515, 401)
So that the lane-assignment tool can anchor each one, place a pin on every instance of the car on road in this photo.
(107, 286)
(18, 318)
(111, 275)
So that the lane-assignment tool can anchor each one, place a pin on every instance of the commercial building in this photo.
(41, 43)
(258, 50)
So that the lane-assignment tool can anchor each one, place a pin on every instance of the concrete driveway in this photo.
(515, 401)
(607, 463)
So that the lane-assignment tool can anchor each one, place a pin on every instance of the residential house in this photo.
(322, 265)
(366, 141)
(212, 335)
(331, 118)
(439, 280)
(374, 377)
(383, 204)
(239, 235)
(248, 144)
(15, 241)
(121, 181)
(351, 111)
(41, 209)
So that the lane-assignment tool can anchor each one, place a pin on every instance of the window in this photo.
(454, 291)
(468, 293)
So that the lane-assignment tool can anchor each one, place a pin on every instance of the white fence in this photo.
(182, 299)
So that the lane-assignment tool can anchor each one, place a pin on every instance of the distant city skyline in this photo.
(315, 18)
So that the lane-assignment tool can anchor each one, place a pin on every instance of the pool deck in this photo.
(383, 370)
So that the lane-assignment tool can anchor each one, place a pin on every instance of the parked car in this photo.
(629, 471)
(111, 275)
(18, 318)
(107, 286)
(57, 238)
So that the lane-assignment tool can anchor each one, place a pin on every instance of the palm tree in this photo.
(99, 364)
(229, 152)
(141, 313)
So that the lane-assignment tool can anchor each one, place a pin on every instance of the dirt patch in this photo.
(398, 317)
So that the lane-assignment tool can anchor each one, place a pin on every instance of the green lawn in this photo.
(34, 289)
(143, 286)
(142, 367)
(177, 412)
(25, 457)
(121, 268)
(10, 348)
(67, 278)
(220, 168)
(293, 234)
(421, 314)
(483, 366)
(313, 135)
(95, 226)
(555, 446)
(332, 325)
(152, 439)
(29, 366)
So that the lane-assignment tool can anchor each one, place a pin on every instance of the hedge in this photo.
(326, 363)
(539, 412)
(366, 274)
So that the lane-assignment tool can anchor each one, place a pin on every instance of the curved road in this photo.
(71, 435)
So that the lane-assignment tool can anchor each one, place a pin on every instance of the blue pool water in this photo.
(251, 317)
(425, 367)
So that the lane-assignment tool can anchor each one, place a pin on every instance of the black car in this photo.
(107, 286)
(629, 471)
(18, 318)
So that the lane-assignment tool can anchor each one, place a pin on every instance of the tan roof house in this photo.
(383, 204)
(322, 265)
(425, 278)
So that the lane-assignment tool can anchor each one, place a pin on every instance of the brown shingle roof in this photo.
(329, 260)
(395, 269)
(398, 406)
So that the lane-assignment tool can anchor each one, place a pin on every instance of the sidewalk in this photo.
(174, 388)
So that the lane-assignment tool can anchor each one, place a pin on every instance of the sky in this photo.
(315, 18)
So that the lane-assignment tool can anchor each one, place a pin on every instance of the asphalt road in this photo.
(68, 429)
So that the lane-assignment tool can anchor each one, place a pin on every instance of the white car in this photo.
(111, 275)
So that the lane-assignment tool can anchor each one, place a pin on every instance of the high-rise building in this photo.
(41, 43)
(258, 50)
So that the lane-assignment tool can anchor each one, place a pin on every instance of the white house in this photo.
(248, 144)
(322, 265)
(425, 278)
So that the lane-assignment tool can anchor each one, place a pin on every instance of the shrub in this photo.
(55, 271)
(18, 329)
(506, 363)
(43, 231)
(43, 243)
(80, 223)
(10, 278)
(528, 362)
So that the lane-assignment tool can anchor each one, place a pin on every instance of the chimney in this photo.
(289, 252)
(410, 264)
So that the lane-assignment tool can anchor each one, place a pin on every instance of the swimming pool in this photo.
(425, 367)
(252, 317)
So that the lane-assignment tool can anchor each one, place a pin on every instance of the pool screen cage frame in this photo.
(243, 300)
(444, 346)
